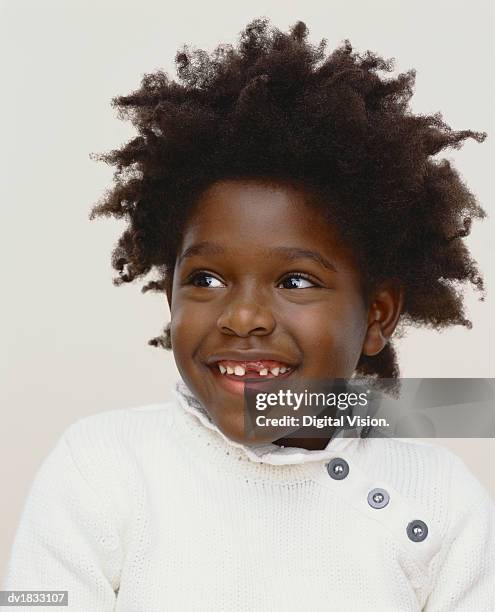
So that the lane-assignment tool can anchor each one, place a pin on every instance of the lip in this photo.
(250, 355)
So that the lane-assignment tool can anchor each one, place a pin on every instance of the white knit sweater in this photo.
(152, 509)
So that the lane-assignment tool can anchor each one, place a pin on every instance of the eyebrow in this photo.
(290, 253)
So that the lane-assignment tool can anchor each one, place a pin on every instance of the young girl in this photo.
(295, 212)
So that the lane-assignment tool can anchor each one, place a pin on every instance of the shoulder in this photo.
(112, 449)
(120, 426)
(429, 476)
(420, 460)
(417, 466)
(115, 436)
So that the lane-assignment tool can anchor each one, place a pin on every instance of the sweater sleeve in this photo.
(465, 571)
(66, 540)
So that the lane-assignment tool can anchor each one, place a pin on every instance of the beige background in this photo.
(72, 343)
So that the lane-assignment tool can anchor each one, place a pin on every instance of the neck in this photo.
(316, 441)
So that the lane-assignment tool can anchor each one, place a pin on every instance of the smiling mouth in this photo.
(252, 369)
(233, 375)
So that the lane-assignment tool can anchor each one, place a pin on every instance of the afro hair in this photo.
(277, 107)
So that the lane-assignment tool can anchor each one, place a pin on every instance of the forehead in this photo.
(252, 213)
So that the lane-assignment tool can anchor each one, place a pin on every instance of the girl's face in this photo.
(262, 284)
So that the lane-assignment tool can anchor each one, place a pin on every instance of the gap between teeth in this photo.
(240, 370)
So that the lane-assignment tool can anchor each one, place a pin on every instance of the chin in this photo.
(234, 429)
(231, 424)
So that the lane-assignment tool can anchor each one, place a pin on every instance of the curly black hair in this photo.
(277, 107)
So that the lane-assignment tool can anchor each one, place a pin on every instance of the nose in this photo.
(246, 314)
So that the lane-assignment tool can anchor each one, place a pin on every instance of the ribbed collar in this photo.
(266, 453)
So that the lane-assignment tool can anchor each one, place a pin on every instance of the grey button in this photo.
(338, 468)
(378, 498)
(417, 530)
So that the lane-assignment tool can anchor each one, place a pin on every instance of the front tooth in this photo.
(275, 371)
(223, 369)
(283, 369)
(230, 370)
(239, 370)
(264, 372)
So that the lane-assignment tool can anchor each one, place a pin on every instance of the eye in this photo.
(297, 281)
(203, 279)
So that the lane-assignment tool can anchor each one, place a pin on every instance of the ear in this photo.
(386, 305)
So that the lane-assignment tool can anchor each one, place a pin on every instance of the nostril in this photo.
(245, 320)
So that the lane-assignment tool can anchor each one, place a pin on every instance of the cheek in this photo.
(331, 336)
(189, 324)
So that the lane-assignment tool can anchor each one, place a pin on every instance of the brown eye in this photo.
(297, 281)
(203, 279)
